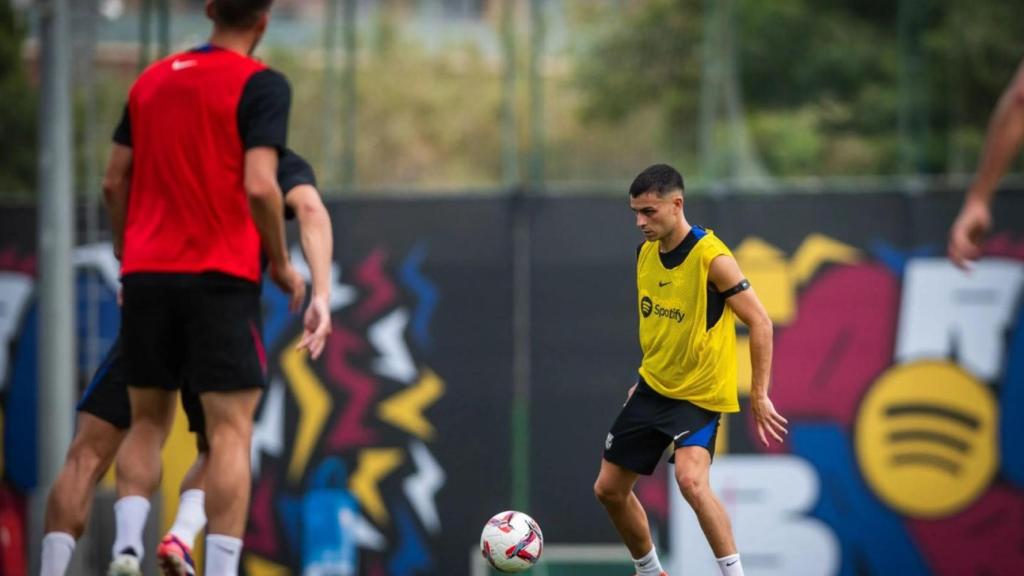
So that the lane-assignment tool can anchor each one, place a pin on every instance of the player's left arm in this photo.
(317, 238)
(727, 277)
(116, 183)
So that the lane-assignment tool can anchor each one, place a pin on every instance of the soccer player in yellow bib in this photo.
(689, 287)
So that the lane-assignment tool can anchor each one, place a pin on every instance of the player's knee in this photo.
(608, 494)
(691, 484)
(228, 435)
(88, 460)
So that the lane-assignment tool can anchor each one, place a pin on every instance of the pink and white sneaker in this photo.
(175, 557)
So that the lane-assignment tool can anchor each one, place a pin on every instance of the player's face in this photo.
(656, 216)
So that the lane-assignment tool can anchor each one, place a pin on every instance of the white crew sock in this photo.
(649, 565)
(57, 550)
(222, 554)
(730, 565)
(191, 516)
(129, 521)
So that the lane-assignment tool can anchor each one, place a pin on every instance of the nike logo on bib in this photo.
(182, 64)
(663, 284)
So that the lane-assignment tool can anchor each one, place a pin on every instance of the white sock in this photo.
(649, 565)
(222, 554)
(730, 565)
(57, 550)
(191, 516)
(129, 521)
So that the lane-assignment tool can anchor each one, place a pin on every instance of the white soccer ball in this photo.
(511, 541)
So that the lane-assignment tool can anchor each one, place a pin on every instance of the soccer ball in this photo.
(511, 541)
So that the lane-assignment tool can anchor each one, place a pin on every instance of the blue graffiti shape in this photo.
(1011, 400)
(102, 328)
(895, 259)
(425, 291)
(20, 415)
(289, 509)
(873, 538)
(329, 515)
(276, 315)
(412, 557)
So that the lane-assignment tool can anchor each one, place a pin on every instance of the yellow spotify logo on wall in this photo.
(926, 438)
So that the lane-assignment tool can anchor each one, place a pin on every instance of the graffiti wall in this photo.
(900, 376)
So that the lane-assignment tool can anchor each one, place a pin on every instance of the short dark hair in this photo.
(239, 14)
(659, 178)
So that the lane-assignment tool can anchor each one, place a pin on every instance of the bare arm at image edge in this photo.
(1002, 142)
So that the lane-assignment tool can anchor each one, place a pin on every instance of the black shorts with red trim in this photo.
(203, 329)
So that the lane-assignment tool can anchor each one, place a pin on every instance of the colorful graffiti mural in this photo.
(902, 380)
(345, 477)
(343, 467)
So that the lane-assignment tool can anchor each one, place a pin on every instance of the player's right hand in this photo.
(291, 283)
(968, 232)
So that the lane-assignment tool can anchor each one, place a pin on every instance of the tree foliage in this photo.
(829, 87)
(18, 122)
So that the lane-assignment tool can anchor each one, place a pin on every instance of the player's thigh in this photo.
(153, 407)
(229, 412)
(692, 462)
(614, 480)
(225, 344)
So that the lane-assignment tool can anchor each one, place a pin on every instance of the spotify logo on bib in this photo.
(646, 306)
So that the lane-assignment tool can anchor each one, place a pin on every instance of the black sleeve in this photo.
(123, 132)
(263, 110)
(292, 171)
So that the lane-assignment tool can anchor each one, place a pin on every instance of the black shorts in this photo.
(106, 396)
(649, 423)
(204, 329)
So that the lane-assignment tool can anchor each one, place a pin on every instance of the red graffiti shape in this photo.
(381, 292)
(987, 538)
(262, 537)
(841, 340)
(1004, 246)
(348, 428)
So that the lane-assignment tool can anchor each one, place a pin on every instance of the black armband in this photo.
(743, 285)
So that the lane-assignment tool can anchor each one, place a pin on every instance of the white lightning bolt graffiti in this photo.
(387, 337)
(268, 431)
(422, 487)
(341, 294)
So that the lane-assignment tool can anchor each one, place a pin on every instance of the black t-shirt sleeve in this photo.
(263, 110)
(123, 132)
(292, 171)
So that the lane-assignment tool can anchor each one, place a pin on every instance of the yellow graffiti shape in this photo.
(744, 371)
(314, 407)
(374, 465)
(926, 438)
(768, 271)
(256, 566)
(405, 409)
(816, 250)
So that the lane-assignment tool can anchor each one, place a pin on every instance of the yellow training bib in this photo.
(684, 357)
